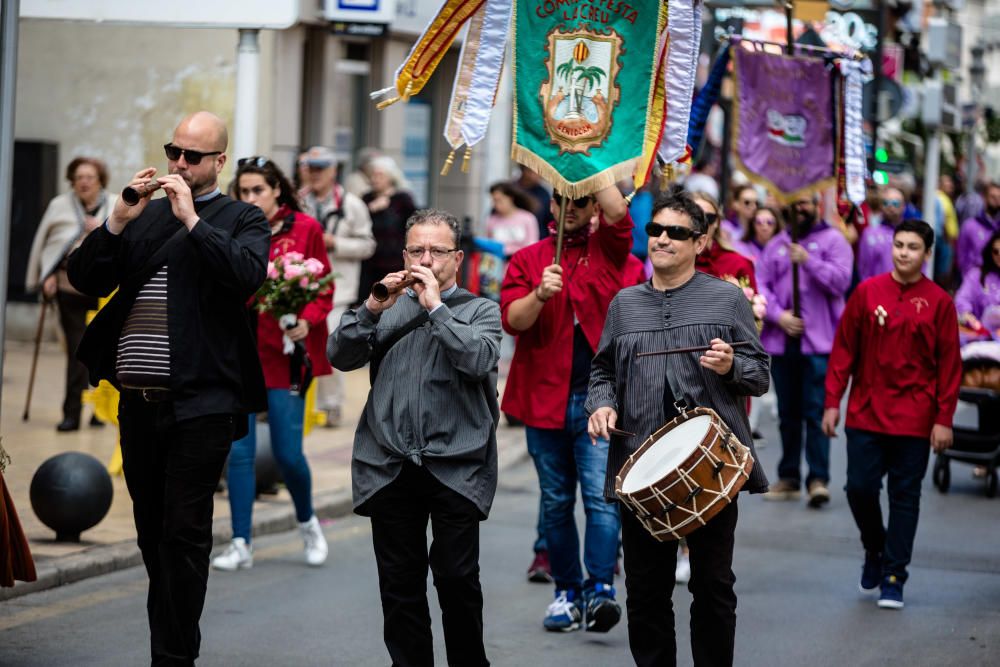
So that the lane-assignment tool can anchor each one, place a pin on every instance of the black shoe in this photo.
(67, 425)
(95, 422)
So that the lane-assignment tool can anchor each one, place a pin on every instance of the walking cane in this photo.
(34, 358)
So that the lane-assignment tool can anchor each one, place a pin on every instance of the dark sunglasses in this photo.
(258, 161)
(711, 218)
(891, 202)
(193, 157)
(674, 232)
(579, 202)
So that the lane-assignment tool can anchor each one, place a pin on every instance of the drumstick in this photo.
(696, 348)
(618, 431)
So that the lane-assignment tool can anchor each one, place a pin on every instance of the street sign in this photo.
(888, 103)
(277, 14)
(944, 43)
(359, 11)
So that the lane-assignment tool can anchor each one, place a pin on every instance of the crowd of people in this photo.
(820, 300)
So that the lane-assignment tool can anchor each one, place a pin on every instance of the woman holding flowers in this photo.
(291, 307)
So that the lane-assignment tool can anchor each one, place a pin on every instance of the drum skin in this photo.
(687, 497)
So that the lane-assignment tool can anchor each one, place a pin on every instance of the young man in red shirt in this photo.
(557, 312)
(898, 343)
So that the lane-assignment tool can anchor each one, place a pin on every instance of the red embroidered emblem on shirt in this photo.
(919, 303)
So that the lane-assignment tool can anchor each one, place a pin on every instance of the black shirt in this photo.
(213, 270)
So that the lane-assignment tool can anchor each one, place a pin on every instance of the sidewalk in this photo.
(110, 545)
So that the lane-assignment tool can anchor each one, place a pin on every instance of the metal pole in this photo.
(880, 25)
(247, 93)
(976, 73)
(932, 169)
(9, 12)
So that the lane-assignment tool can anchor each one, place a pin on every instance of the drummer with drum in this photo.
(679, 308)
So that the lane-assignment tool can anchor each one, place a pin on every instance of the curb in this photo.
(108, 558)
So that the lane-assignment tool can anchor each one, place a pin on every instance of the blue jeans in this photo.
(799, 384)
(870, 456)
(285, 414)
(563, 456)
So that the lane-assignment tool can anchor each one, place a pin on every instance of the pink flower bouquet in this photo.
(293, 281)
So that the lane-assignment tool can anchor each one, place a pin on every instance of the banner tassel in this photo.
(466, 159)
(447, 163)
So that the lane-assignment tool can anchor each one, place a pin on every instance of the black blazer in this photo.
(211, 273)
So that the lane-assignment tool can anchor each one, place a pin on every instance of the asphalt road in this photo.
(797, 573)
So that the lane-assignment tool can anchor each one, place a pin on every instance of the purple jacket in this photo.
(875, 251)
(823, 280)
(973, 297)
(732, 228)
(749, 249)
(972, 238)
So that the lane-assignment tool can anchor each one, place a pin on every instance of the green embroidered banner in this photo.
(587, 105)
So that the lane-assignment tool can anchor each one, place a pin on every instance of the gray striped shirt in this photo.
(643, 319)
(434, 401)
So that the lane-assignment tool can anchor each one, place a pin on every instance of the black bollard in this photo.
(70, 493)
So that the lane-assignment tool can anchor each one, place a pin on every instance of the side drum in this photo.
(684, 474)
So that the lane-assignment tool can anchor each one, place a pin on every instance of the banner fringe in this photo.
(608, 177)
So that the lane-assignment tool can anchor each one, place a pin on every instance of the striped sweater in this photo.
(644, 319)
(144, 346)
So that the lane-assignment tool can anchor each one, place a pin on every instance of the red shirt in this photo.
(906, 372)
(721, 263)
(298, 234)
(537, 389)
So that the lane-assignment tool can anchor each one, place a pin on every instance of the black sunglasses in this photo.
(258, 161)
(711, 218)
(193, 157)
(579, 202)
(674, 232)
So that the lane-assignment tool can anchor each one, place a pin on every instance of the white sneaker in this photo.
(237, 556)
(682, 574)
(316, 549)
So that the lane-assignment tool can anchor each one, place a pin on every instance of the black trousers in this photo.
(171, 470)
(399, 514)
(649, 585)
(73, 321)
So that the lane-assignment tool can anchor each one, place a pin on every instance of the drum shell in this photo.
(667, 508)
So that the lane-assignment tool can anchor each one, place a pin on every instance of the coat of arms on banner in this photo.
(581, 90)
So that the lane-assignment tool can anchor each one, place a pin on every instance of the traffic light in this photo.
(881, 155)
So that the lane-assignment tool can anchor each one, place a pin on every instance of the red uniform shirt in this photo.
(537, 390)
(721, 263)
(907, 368)
(300, 234)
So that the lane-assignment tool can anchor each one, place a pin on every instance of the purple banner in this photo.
(783, 122)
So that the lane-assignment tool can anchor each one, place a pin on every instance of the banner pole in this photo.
(561, 230)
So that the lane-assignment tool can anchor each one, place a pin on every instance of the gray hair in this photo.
(389, 166)
(433, 216)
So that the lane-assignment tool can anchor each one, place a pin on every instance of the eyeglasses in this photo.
(579, 202)
(193, 157)
(711, 218)
(767, 222)
(417, 252)
(750, 202)
(258, 161)
(674, 232)
(891, 202)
